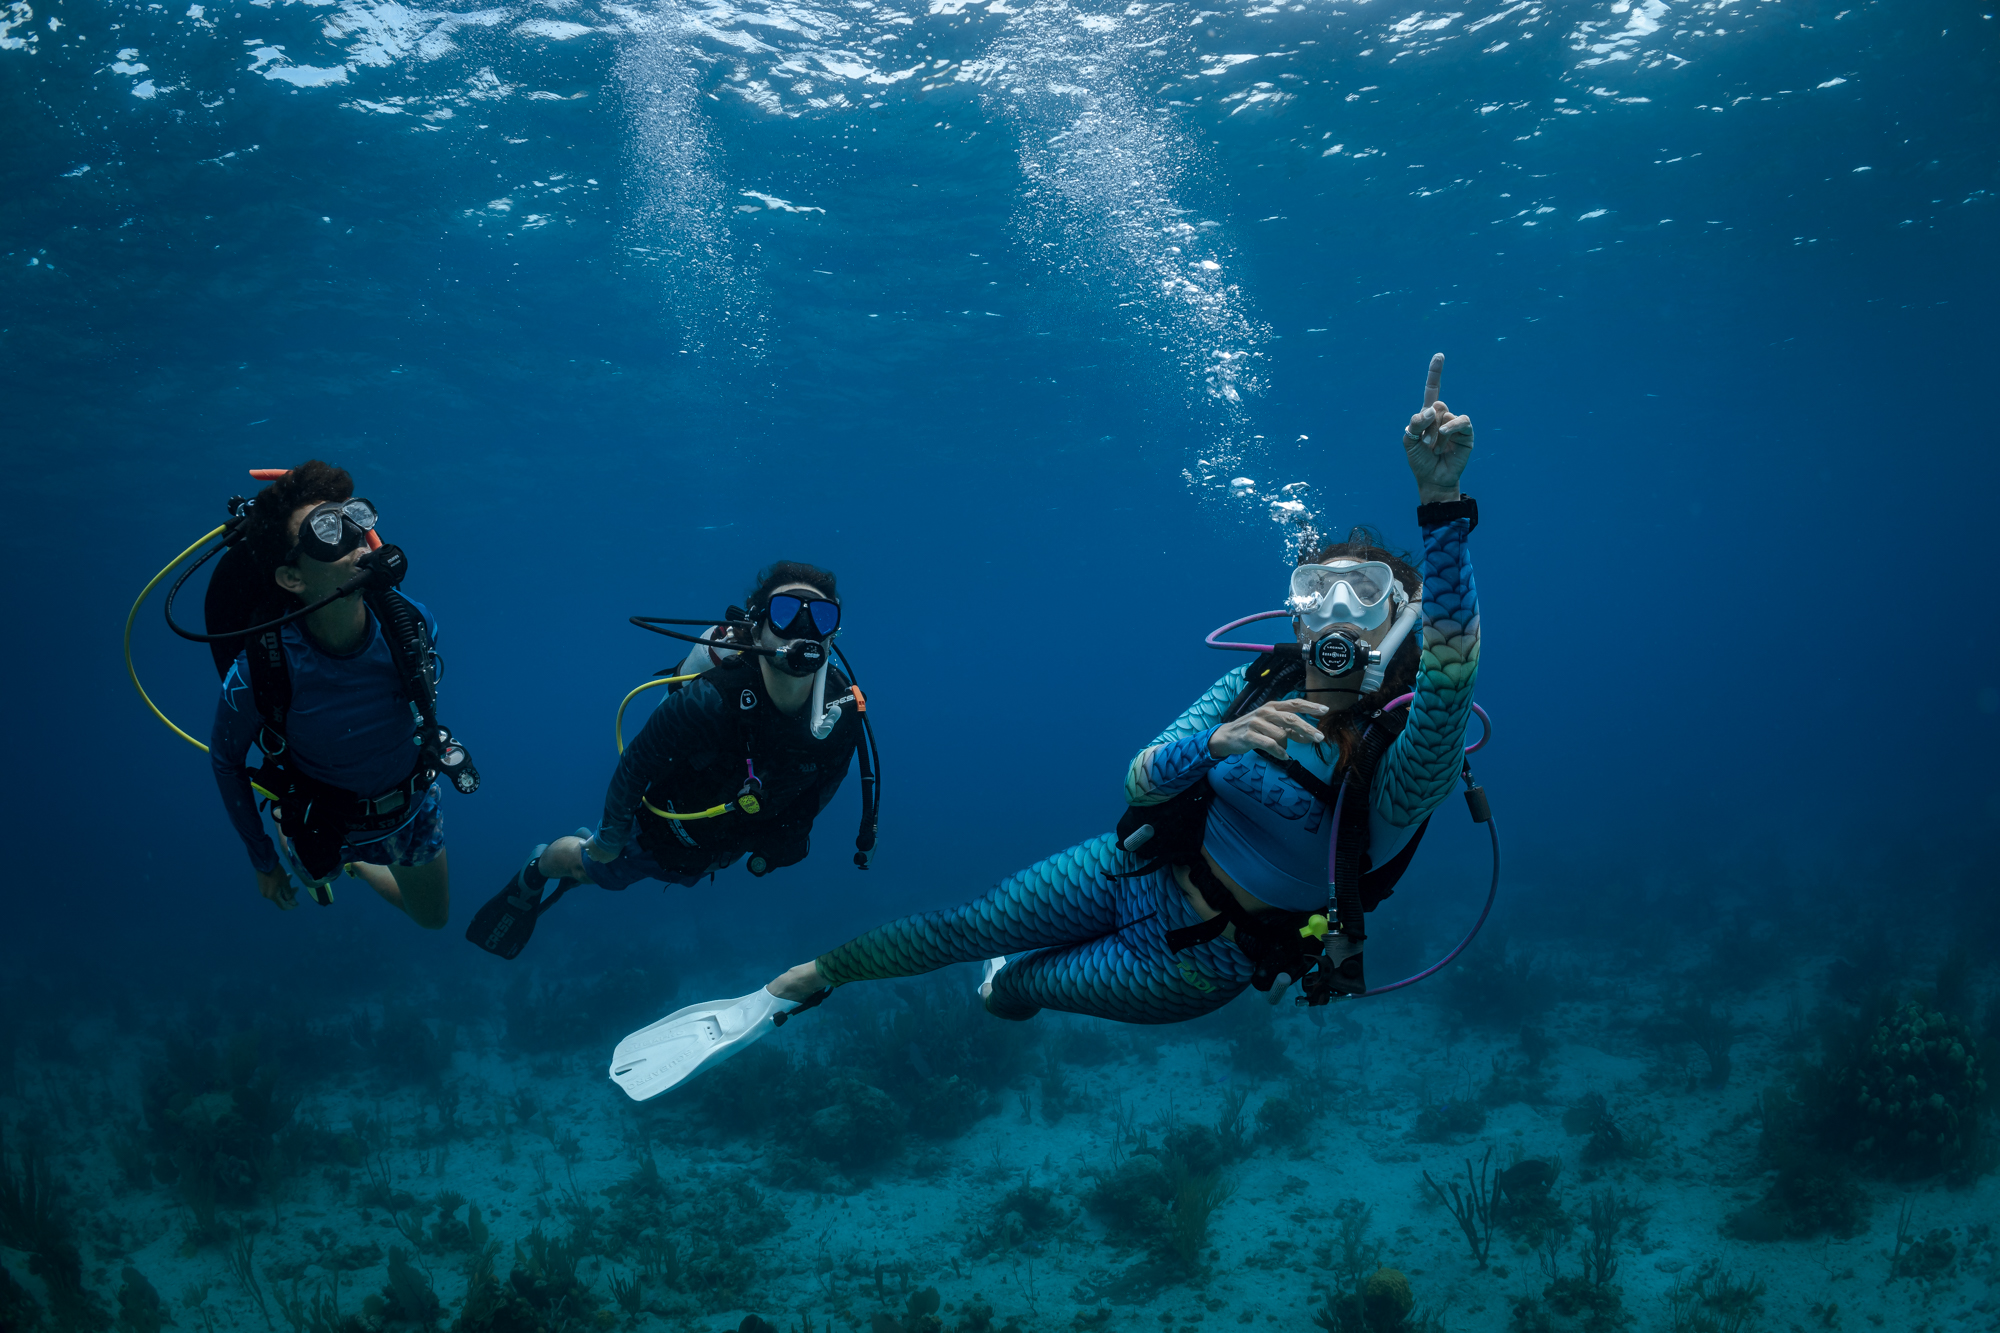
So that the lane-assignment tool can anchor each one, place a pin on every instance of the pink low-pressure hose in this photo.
(1238, 624)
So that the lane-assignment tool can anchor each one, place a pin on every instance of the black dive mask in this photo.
(797, 657)
(333, 529)
(796, 617)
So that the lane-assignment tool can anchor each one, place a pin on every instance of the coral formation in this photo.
(1365, 1296)
(1471, 1206)
(33, 1219)
(1609, 1140)
(1714, 1302)
(1909, 1094)
(1900, 1090)
(1131, 1201)
(1525, 1205)
(214, 1117)
(1587, 1301)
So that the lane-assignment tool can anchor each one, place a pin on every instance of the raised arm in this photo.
(1420, 768)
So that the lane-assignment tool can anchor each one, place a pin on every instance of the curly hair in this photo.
(267, 532)
(775, 576)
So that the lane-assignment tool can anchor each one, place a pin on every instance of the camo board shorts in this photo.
(415, 842)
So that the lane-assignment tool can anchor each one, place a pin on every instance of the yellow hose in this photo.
(133, 671)
(131, 615)
(618, 734)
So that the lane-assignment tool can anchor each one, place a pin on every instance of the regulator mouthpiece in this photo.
(801, 657)
(1337, 654)
(381, 569)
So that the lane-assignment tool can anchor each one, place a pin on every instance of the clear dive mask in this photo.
(333, 529)
(1350, 592)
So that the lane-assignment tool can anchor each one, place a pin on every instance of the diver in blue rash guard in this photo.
(731, 767)
(1248, 788)
(346, 741)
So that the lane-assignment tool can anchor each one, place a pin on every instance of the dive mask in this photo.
(333, 529)
(796, 617)
(1352, 592)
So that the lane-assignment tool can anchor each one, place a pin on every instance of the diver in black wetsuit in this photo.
(746, 751)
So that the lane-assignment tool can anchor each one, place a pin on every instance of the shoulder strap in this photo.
(1381, 881)
(1351, 827)
(270, 684)
(1268, 677)
(742, 694)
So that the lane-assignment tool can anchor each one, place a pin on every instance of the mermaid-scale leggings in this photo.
(1100, 944)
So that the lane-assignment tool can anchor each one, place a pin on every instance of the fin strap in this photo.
(812, 1001)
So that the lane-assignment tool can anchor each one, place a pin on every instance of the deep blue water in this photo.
(606, 306)
(1727, 389)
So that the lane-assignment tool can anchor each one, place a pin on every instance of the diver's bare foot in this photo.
(801, 983)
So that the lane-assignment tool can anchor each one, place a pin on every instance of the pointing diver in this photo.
(737, 762)
(1261, 826)
(331, 672)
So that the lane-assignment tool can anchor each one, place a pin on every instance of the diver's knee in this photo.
(563, 859)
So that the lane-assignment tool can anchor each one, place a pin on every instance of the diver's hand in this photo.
(276, 886)
(1438, 444)
(801, 983)
(598, 852)
(1268, 729)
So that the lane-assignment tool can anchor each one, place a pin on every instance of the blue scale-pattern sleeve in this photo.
(1179, 756)
(1421, 767)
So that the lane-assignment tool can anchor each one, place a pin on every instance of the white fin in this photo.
(668, 1052)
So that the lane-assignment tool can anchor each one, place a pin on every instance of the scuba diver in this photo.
(331, 673)
(737, 762)
(1261, 826)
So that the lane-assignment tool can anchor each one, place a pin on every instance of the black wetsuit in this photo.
(695, 753)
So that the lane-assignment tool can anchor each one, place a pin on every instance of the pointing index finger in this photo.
(1434, 379)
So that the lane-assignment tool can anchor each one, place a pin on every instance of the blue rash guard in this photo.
(350, 725)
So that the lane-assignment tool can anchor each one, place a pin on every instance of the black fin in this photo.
(504, 926)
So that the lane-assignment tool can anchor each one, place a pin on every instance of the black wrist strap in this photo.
(1437, 515)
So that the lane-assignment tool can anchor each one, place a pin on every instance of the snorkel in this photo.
(1378, 664)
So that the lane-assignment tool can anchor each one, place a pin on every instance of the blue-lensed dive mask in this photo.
(795, 617)
(1343, 592)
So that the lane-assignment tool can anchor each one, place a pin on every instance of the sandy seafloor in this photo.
(912, 1224)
